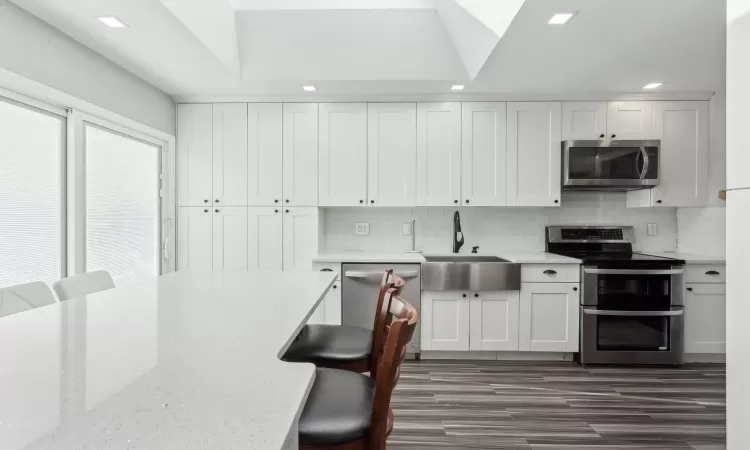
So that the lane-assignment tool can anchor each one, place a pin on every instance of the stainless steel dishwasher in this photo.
(359, 294)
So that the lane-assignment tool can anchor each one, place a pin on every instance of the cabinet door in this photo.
(264, 238)
(343, 154)
(631, 120)
(230, 154)
(445, 320)
(332, 304)
(392, 154)
(194, 238)
(534, 153)
(549, 317)
(483, 154)
(705, 318)
(494, 320)
(300, 238)
(438, 154)
(230, 238)
(194, 154)
(584, 121)
(683, 130)
(264, 154)
(300, 154)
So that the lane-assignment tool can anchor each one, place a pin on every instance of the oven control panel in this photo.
(592, 234)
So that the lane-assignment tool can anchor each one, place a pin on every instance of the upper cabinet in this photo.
(631, 120)
(264, 125)
(392, 154)
(534, 153)
(343, 154)
(484, 154)
(195, 154)
(300, 154)
(438, 154)
(584, 121)
(230, 154)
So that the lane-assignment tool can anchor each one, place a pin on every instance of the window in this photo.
(31, 194)
(123, 219)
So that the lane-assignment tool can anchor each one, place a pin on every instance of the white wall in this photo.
(493, 229)
(31, 48)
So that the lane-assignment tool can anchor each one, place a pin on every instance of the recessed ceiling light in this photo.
(652, 85)
(457, 87)
(561, 18)
(309, 88)
(112, 22)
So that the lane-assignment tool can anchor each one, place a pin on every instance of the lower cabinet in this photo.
(705, 318)
(549, 317)
(329, 309)
(445, 320)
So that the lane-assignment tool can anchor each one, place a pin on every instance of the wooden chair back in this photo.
(379, 331)
(400, 331)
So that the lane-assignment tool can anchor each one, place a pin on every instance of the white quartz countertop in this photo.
(366, 257)
(184, 361)
(689, 257)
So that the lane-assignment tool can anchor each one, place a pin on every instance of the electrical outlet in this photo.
(406, 229)
(362, 228)
(651, 229)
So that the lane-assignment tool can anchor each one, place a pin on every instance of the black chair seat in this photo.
(338, 409)
(330, 342)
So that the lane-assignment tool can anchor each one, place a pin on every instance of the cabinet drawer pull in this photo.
(712, 272)
(690, 289)
(550, 272)
(326, 270)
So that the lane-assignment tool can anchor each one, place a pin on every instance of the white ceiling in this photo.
(402, 46)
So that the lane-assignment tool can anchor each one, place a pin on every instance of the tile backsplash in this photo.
(703, 231)
(493, 229)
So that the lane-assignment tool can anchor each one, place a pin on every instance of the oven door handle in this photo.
(633, 272)
(605, 312)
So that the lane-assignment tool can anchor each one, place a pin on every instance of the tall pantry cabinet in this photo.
(247, 186)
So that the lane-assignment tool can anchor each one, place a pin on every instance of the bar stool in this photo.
(351, 411)
(83, 284)
(342, 346)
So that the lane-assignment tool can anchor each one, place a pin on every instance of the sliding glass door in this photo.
(32, 216)
(123, 205)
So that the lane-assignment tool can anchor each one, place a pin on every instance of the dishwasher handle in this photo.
(379, 275)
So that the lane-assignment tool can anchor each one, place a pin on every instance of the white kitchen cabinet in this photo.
(549, 317)
(534, 153)
(484, 165)
(392, 154)
(195, 154)
(264, 154)
(230, 154)
(265, 238)
(194, 238)
(300, 238)
(300, 154)
(332, 305)
(438, 154)
(683, 130)
(342, 154)
(585, 121)
(631, 120)
(494, 320)
(445, 320)
(230, 238)
(705, 318)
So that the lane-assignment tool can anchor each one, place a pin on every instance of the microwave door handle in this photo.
(604, 312)
(645, 162)
(638, 164)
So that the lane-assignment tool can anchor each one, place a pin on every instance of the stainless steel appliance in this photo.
(359, 292)
(632, 304)
(609, 165)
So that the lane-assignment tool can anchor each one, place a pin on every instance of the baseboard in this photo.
(495, 356)
(711, 358)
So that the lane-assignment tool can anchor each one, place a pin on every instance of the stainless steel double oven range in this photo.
(632, 304)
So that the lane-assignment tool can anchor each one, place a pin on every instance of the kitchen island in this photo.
(183, 361)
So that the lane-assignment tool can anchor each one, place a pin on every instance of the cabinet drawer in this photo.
(705, 273)
(550, 273)
(336, 267)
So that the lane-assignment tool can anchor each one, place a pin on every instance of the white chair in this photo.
(83, 284)
(22, 297)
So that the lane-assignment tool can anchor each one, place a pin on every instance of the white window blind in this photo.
(122, 205)
(31, 190)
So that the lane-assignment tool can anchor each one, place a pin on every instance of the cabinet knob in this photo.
(287, 200)
(464, 295)
(455, 201)
(467, 200)
(205, 201)
(276, 211)
(658, 201)
(476, 295)
(335, 287)
(601, 135)
(276, 200)
(217, 200)
(575, 288)
(372, 201)
(361, 201)
(216, 210)
(689, 289)
(614, 136)
(557, 201)
(287, 211)
(205, 210)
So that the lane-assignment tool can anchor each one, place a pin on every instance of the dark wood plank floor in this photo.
(556, 406)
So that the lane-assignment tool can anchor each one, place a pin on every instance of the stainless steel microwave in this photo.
(604, 165)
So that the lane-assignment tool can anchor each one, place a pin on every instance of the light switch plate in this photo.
(406, 229)
(362, 228)
(651, 229)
